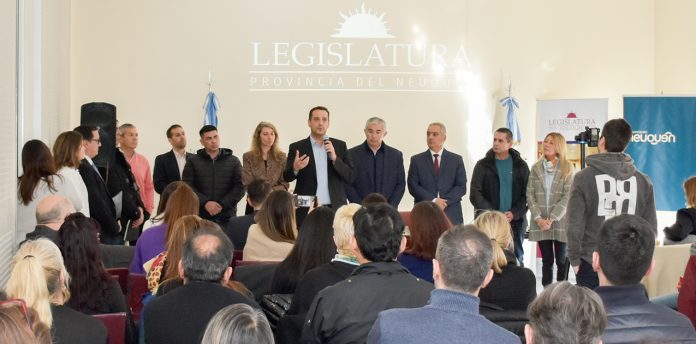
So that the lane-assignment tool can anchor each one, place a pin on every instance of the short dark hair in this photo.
(258, 190)
(566, 313)
(378, 231)
(373, 198)
(625, 245)
(207, 264)
(205, 129)
(172, 127)
(507, 132)
(319, 108)
(617, 134)
(87, 131)
(465, 255)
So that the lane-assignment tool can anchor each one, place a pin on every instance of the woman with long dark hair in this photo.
(314, 247)
(273, 235)
(428, 222)
(264, 160)
(179, 200)
(39, 179)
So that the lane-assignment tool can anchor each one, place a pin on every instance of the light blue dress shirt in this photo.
(321, 162)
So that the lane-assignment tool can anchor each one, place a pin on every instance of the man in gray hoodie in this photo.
(609, 186)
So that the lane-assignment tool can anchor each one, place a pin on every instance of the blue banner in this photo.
(663, 144)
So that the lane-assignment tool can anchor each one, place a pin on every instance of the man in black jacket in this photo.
(624, 255)
(321, 165)
(216, 177)
(238, 227)
(345, 312)
(181, 315)
(101, 206)
(169, 166)
(500, 183)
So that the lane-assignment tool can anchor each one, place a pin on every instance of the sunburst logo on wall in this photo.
(363, 24)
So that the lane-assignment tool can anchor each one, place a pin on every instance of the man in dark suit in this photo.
(321, 165)
(438, 175)
(101, 206)
(205, 268)
(378, 167)
(238, 227)
(169, 166)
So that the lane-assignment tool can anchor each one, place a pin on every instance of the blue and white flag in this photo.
(211, 107)
(512, 104)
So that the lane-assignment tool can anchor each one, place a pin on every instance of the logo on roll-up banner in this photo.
(653, 139)
(362, 56)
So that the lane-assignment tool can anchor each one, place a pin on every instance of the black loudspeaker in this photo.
(102, 116)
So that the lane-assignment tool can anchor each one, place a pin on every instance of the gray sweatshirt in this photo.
(610, 185)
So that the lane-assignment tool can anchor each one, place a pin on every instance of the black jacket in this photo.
(218, 180)
(382, 173)
(119, 178)
(101, 206)
(166, 170)
(181, 315)
(485, 187)
(513, 288)
(632, 318)
(685, 225)
(238, 229)
(71, 326)
(345, 312)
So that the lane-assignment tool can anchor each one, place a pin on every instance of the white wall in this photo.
(151, 59)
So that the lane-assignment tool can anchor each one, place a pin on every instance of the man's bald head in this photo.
(52, 210)
(207, 255)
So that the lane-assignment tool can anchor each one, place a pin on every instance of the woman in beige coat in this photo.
(265, 160)
(548, 191)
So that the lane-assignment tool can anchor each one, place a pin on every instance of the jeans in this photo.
(518, 239)
(587, 277)
(550, 250)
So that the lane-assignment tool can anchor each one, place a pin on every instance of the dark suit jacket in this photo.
(166, 170)
(101, 206)
(340, 173)
(450, 182)
(391, 173)
(238, 229)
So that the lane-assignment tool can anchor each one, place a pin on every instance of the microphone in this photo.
(326, 139)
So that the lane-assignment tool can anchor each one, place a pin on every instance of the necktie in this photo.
(436, 164)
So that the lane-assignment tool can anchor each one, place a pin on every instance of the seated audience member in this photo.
(273, 235)
(686, 299)
(462, 266)
(181, 202)
(92, 289)
(684, 230)
(238, 227)
(238, 324)
(512, 286)
(624, 255)
(428, 222)
(39, 278)
(164, 274)
(340, 267)
(378, 284)
(565, 313)
(373, 198)
(314, 247)
(181, 315)
(50, 213)
(20, 324)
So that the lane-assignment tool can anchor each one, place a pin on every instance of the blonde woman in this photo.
(39, 278)
(264, 160)
(548, 191)
(512, 286)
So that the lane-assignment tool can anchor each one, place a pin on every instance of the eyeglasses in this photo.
(17, 303)
(96, 140)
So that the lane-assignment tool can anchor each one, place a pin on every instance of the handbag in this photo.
(275, 306)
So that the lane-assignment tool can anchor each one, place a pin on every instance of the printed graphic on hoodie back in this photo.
(616, 197)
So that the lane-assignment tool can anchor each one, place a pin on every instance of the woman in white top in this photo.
(38, 181)
(68, 152)
(272, 236)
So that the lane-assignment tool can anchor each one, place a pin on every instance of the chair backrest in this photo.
(122, 276)
(237, 257)
(115, 324)
(670, 262)
(137, 287)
